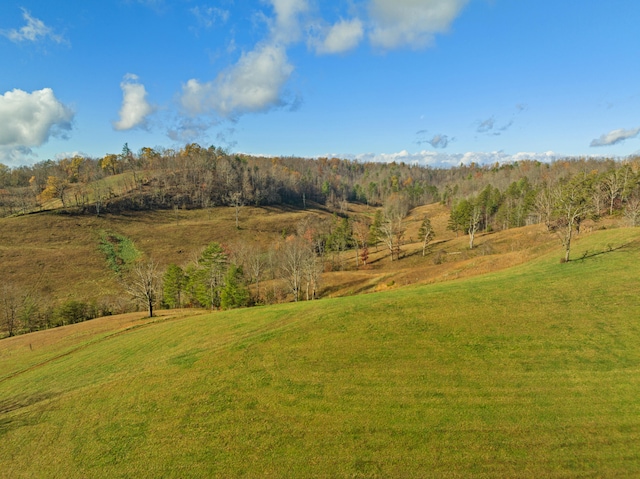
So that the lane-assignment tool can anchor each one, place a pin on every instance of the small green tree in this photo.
(207, 278)
(234, 293)
(340, 238)
(466, 215)
(173, 284)
(72, 312)
(375, 232)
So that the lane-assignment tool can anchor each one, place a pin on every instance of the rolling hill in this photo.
(56, 253)
(531, 371)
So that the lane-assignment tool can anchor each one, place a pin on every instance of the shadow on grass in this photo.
(14, 405)
(587, 254)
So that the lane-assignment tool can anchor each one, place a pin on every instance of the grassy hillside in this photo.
(529, 372)
(58, 256)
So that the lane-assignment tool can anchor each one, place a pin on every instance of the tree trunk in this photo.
(567, 246)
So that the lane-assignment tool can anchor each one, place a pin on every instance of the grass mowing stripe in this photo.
(531, 372)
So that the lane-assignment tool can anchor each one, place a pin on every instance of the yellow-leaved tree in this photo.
(55, 189)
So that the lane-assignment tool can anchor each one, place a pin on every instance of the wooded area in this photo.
(198, 177)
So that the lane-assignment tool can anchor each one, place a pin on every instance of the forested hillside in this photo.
(198, 177)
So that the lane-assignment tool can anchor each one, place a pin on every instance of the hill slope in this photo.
(528, 372)
(57, 257)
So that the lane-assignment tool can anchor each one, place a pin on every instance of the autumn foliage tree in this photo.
(55, 189)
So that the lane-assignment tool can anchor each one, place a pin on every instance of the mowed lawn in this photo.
(530, 372)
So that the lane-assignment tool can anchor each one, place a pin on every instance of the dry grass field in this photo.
(57, 256)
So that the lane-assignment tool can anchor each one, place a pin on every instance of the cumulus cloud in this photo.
(345, 35)
(412, 23)
(30, 119)
(615, 136)
(33, 31)
(135, 108)
(253, 84)
(286, 28)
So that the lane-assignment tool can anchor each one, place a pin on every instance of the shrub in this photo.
(120, 252)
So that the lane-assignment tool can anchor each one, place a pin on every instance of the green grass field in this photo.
(532, 372)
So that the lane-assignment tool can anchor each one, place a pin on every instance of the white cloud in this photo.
(253, 84)
(34, 30)
(287, 23)
(341, 37)
(135, 108)
(615, 136)
(209, 16)
(188, 130)
(413, 23)
(29, 119)
(445, 160)
(61, 155)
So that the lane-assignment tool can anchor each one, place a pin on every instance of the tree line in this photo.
(562, 203)
(201, 177)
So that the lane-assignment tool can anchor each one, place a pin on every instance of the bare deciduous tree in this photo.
(426, 233)
(632, 210)
(10, 302)
(613, 183)
(293, 255)
(237, 201)
(361, 228)
(544, 206)
(144, 284)
(392, 228)
(572, 204)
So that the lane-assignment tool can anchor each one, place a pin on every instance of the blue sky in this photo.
(437, 82)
